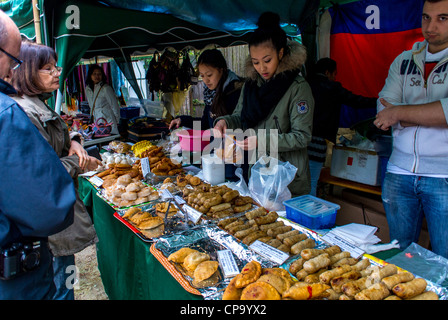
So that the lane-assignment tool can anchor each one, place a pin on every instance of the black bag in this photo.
(187, 75)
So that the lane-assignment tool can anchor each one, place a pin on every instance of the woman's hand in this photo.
(221, 126)
(78, 149)
(92, 164)
(250, 143)
(175, 123)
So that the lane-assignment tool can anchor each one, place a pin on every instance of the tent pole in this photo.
(37, 22)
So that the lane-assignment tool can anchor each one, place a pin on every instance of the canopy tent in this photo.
(85, 29)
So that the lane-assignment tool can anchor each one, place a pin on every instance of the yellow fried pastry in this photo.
(260, 291)
(279, 272)
(250, 273)
(205, 270)
(139, 217)
(232, 292)
(194, 259)
(180, 255)
(130, 212)
(306, 291)
(150, 223)
(280, 283)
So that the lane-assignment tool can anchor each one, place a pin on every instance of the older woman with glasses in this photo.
(35, 81)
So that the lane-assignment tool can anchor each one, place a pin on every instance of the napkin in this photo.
(358, 234)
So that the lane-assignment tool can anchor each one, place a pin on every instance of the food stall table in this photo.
(326, 177)
(128, 269)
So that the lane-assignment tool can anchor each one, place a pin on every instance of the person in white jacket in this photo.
(101, 96)
(414, 103)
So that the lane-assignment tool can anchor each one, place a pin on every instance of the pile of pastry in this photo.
(116, 170)
(160, 164)
(350, 279)
(333, 274)
(165, 208)
(178, 183)
(119, 146)
(257, 283)
(197, 265)
(259, 224)
(216, 201)
(126, 191)
(148, 225)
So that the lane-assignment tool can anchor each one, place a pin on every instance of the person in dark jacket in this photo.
(35, 81)
(36, 192)
(329, 96)
(222, 88)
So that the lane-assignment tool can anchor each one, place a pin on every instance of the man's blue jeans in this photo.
(315, 168)
(407, 199)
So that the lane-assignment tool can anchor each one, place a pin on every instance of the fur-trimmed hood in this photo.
(294, 59)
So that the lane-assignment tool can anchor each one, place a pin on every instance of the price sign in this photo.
(228, 264)
(166, 194)
(145, 166)
(269, 252)
(96, 181)
(343, 244)
(193, 214)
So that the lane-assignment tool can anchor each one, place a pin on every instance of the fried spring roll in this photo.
(395, 279)
(410, 289)
(319, 262)
(377, 291)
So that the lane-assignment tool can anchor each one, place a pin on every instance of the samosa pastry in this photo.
(260, 291)
(194, 259)
(232, 292)
(180, 255)
(205, 270)
(150, 223)
(280, 283)
(250, 273)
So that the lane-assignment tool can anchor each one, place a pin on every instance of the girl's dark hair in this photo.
(34, 56)
(324, 65)
(89, 81)
(269, 30)
(215, 59)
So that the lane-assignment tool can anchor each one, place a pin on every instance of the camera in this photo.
(19, 258)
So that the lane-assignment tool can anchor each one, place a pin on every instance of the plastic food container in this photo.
(193, 140)
(129, 112)
(311, 212)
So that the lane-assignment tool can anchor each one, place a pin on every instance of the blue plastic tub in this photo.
(311, 212)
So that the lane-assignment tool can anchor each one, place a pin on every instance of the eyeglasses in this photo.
(16, 63)
(57, 70)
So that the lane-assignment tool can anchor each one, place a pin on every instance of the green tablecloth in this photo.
(128, 269)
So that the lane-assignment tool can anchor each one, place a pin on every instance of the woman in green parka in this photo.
(275, 98)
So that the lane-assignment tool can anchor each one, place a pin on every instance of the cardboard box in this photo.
(357, 213)
(363, 199)
(357, 165)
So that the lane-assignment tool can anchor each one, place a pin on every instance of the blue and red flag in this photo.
(366, 36)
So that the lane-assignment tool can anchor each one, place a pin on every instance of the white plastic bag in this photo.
(268, 182)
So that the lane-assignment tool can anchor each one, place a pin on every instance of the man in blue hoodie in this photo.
(414, 103)
(37, 194)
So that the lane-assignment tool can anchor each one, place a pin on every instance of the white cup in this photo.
(213, 169)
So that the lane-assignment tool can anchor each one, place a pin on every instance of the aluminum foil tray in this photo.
(210, 239)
